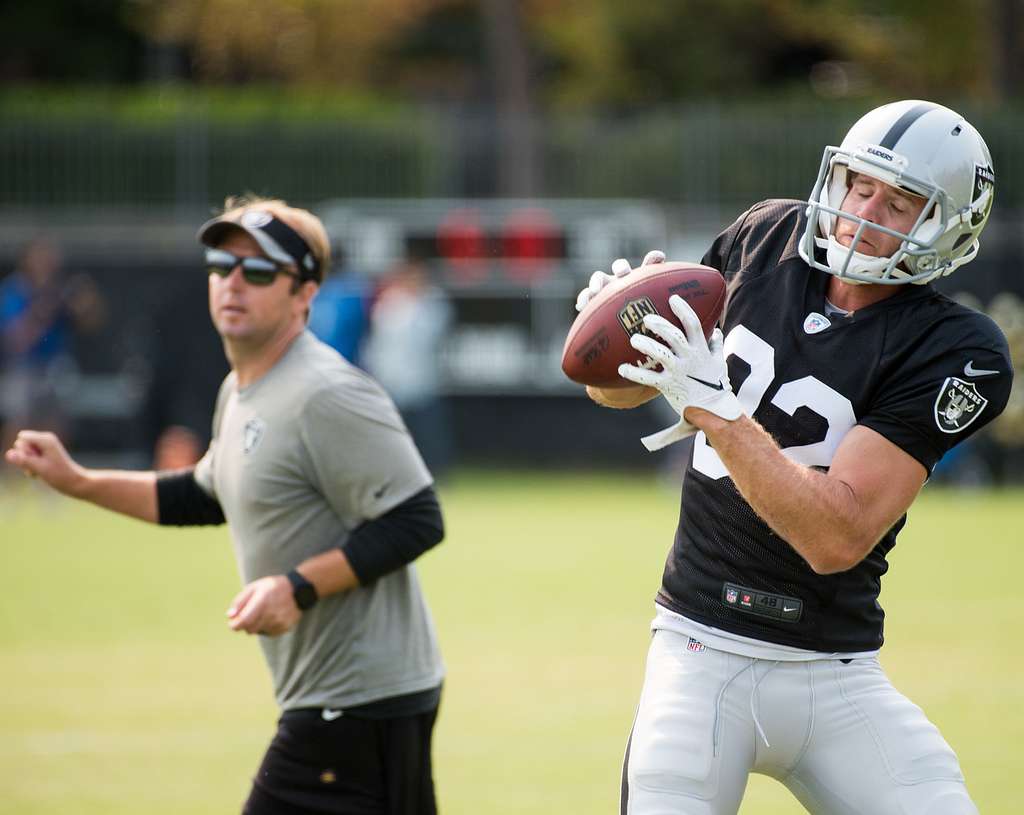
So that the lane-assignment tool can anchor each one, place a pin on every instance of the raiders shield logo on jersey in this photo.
(253, 433)
(957, 405)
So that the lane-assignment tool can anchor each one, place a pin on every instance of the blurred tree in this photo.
(456, 50)
(637, 54)
(68, 41)
(513, 98)
(1007, 21)
(439, 56)
(337, 42)
(927, 48)
(572, 54)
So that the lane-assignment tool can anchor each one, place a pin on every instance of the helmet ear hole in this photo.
(833, 194)
(931, 225)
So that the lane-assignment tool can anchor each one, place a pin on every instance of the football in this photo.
(598, 341)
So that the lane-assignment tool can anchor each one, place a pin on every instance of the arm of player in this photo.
(267, 606)
(42, 455)
(622, 398)
(374, 549)
(832, 519)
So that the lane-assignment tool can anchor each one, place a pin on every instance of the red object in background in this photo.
(462, 244)
(530, 244)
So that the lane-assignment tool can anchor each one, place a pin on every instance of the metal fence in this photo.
(711, 154)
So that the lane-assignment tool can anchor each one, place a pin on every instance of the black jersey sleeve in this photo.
(182, 502)
(957, 380)
(721, 251)
(757, 240)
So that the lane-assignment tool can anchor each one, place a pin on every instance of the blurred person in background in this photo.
(40, 311)
(340, 312)
(178, 446)
(815, 415)
(175, 415)
(409, 322)
(1007, 310)
(327, 502)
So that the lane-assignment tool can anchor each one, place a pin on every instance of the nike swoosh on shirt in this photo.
(970, 370)
(718, 387)
(329, 715)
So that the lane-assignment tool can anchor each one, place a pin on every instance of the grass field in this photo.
(122, 690)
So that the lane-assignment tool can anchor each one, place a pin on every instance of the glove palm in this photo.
(693, 370)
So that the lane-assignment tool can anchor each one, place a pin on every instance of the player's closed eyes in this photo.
(256, 270)
(897, 205)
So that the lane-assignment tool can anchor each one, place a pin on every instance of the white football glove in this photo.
(620, 268)
(693, 372)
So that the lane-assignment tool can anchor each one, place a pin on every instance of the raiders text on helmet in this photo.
(921, 148)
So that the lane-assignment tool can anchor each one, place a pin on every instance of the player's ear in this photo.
(306, 291)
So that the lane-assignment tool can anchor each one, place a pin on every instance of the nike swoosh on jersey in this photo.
(970, 370)
(718, 387)
(329, 715)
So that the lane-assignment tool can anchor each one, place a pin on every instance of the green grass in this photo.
(123, 691)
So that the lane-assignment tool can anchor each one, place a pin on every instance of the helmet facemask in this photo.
(916, 260)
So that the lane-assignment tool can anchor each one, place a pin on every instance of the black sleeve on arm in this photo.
(180, 501)
(396, 538)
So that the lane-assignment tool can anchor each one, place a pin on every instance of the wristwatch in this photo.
(303, 591)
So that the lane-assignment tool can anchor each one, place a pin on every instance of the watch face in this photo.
(302, 590)
(305, 597)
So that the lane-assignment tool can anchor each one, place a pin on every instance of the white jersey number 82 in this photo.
(807, 392)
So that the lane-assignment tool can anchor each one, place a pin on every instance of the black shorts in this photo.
(346, 766)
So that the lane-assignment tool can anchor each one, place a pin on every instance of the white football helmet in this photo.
(919, 147)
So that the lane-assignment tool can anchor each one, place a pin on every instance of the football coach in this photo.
(327, 502)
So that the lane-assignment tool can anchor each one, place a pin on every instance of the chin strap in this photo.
(859, 263)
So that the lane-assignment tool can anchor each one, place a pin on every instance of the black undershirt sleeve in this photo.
(396, 538)
(182, 502)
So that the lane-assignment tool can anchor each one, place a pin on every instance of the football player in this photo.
(328, 502)
(838, 379)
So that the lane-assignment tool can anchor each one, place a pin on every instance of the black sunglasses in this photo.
(258, 271)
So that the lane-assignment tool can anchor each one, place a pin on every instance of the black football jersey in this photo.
(918, 368)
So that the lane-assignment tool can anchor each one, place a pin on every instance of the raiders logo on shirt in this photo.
(253, 433)
(957, 405)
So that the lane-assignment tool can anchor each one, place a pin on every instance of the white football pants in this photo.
(839, 736)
